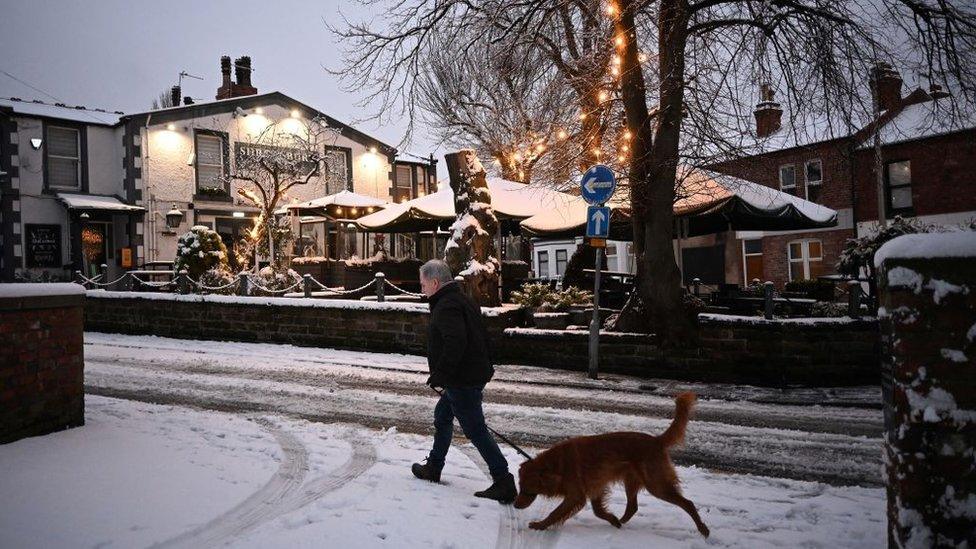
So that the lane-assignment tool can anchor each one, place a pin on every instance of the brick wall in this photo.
(41, 364)
(929, 344)
(388, 327)
(942, 180)
(746, 350)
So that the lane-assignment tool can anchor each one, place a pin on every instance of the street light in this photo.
(174, 217)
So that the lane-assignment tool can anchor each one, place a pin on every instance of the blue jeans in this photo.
(464, 403)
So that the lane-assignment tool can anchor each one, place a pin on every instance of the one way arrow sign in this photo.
(597, 221)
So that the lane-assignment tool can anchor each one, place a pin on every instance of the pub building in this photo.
(85, 187)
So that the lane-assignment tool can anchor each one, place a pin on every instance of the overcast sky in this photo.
(119, 55)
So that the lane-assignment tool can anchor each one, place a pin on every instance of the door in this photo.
(232, 230)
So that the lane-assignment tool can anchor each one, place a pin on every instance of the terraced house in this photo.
(85, 187)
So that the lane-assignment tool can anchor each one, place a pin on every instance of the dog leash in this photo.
(496, 433)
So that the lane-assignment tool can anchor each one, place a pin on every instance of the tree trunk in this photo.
(470, 252)
(656, 304)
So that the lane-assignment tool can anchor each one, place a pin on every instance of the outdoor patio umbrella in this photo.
(342, 205)
(511, 201)
(709, 203)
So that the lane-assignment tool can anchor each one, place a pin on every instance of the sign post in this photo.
(597, 186)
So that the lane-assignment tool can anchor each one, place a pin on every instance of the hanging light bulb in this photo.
(562, 134)
(620, 158)
(540, 148)
(627, 134)
(619, 40)
(615, 71)
(611, 9)
(626, 148)
(642, 57)
(603, 95)
(582, 116)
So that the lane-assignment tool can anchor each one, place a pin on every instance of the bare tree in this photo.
(282, 156)
(511, 106)
(698, 64)
(164, 101)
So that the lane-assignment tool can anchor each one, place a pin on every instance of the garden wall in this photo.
(41, 359)
(731, 349)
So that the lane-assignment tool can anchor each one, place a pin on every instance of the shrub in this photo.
(533, 294)
(828, 309)
(199, 250)
(215, 278)
(540, 295)
(275, 280)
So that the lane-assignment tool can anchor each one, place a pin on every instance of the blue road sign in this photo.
(598, 184)
(597, 222)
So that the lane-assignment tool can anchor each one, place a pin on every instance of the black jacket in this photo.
(457, 341)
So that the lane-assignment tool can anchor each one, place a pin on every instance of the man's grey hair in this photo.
(435, 269)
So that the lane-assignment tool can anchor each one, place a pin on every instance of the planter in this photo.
(551, 321)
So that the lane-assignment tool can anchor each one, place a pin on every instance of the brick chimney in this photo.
(174, 95)
(886, 85)
(768, 113)
(242, 71)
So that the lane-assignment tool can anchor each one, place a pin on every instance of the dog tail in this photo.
(682, 411)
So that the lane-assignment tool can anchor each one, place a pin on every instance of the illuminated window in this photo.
(898, 186)
(806, 259)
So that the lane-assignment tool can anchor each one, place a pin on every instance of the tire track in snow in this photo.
(513, 532)
(259, 506)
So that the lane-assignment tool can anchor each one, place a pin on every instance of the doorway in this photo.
(232, 231)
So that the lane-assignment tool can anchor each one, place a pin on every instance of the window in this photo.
(560, 262)
(210, 161)
(63, 157)
(787, 178)
(814, 177)
(806, 259)
(543, 264)
(898, 180)
(752, 260)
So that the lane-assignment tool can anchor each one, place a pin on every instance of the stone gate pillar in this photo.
(928, 335)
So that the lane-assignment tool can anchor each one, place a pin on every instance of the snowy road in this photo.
(831, 437)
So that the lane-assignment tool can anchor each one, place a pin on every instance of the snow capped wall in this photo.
(928, 326)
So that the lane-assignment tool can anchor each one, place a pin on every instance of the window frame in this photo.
(79, 160)
(781, 186)
(805, 257)
(539, 262)
(745, 273)
(224, 156)
(890, 210)
(564, 261)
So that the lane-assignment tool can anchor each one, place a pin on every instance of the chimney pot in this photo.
(174, 95)
(885, 85)
(225, 70)
(768, 113)
(187, 100)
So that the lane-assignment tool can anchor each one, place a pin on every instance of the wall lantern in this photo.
(36, 143)
(173, 218)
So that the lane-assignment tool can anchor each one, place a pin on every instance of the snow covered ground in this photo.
(792, 434)
(140, 474)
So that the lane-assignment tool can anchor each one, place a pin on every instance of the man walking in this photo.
(457, 358)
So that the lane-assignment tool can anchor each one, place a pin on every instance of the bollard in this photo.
(242, 288)
(854, 299)
(81, 279)
(768, 299)
(697, 283)
(380, 287)
(183, 282)
(307, 284)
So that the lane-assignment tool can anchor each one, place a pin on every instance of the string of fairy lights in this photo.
(608, 88)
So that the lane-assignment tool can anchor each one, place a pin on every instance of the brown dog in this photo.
(586, 467)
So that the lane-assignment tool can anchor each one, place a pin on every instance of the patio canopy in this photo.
(96, 202)
(709, 203)
(331, 204)
(511, 201)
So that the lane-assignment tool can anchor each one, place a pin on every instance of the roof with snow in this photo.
(928, 246)
(61, 111)
(223, 106)
(923, 120)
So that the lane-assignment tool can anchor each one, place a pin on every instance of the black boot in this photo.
(426, 471)
(502, 490)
